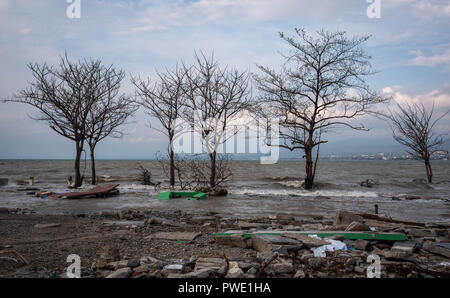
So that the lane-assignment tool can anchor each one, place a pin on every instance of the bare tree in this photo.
(63, 96)
(109, 111)
(413, 126)
(320, 86)
(165, 101)
(214, 96)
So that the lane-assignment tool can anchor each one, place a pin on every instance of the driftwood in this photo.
(14, 252)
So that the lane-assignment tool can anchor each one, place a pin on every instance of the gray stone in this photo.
(263, 243)
(252, 271)
(107, 256)
(121, 273)
(234, 271)
(3, 181)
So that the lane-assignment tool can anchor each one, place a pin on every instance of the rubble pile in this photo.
(283, 246)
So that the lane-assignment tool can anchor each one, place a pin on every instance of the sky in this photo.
(409, 45)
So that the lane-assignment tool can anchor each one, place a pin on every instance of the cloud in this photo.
(431, 9)
(439, 97)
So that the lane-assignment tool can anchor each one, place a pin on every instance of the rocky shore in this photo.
(175, 244)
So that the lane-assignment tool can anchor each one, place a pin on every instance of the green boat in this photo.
(175, 195)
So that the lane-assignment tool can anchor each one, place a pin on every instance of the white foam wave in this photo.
(305, 193)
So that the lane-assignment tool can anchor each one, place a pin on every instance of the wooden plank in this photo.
(96, 191)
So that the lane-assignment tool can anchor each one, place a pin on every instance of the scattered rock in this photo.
(300, 274)
(279, 266)
(172, 269)
(234, 271)
(107, 255)
(217, 265)
(307, 241)
(263, 243)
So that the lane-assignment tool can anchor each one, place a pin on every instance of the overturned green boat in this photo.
(176, 195)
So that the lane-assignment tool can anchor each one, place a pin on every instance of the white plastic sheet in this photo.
(332, 246)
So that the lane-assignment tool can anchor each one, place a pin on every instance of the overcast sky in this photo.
(410, 46)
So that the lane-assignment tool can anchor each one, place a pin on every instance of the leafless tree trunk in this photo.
(109, 111)
(413, 127)
(165, 101)
(63, 96)
(321, 86)
(214, 96)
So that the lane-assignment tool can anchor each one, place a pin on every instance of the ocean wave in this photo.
(304, 193)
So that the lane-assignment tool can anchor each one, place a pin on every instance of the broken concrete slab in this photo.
(438, 248)
(263, 243)
(185, 236)
(357, 226)
(47, 226)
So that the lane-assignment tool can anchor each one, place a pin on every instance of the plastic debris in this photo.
(321, 250)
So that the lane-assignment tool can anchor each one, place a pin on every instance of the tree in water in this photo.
(321, 86)
(414, 127)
